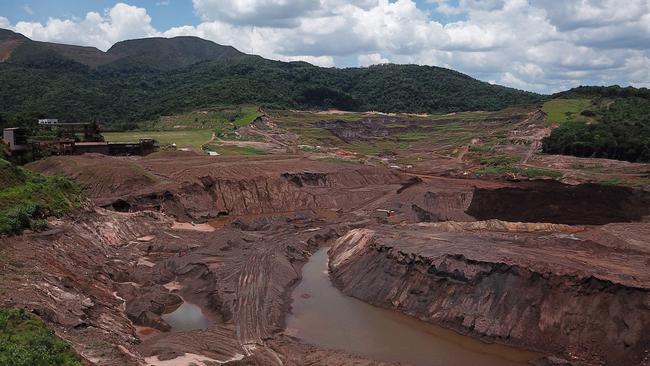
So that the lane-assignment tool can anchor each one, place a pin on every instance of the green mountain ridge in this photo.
(142, 79)
(149, 53)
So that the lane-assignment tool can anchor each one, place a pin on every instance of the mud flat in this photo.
(553, 292)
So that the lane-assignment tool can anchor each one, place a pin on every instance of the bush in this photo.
(15, 219)
(25, 341)
(27, 198)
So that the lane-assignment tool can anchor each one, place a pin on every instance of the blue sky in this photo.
(164, 13)
(538, 45)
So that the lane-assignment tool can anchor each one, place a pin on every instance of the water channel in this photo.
(325, 317)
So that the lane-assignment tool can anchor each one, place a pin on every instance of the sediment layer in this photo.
(548, 291)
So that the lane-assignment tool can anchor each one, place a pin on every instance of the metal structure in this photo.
(69, 141)
(16, 141)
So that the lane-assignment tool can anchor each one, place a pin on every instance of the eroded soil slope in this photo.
(230, 235)
(547, 287)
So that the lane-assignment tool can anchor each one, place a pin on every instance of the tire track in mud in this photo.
(250, 314)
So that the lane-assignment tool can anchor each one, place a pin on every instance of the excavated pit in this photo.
(544, 283)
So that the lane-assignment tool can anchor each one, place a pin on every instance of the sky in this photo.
(537, 45)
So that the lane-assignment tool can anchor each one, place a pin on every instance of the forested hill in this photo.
(615, 124)
(162, 76)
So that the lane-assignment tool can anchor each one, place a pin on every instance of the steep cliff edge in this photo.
(549, 290)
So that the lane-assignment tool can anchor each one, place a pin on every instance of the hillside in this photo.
(608, 122)
(139, 54)
(167, 53)
(143, 79)
(27, 198)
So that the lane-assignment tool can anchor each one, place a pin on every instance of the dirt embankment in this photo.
(67, 276)
(549, 291)
(202, 188)
(438, 199)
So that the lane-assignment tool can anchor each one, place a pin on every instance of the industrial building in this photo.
(18, 144)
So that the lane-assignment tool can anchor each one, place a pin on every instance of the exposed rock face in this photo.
(534, 290)
(148, 303)
(284, 192)
(69, 276)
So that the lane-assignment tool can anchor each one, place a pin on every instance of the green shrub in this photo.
(31, 197)
(25, 341)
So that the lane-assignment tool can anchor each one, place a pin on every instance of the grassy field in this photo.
(182, 138)
(216, 118)
(228, 150)
(565, 110)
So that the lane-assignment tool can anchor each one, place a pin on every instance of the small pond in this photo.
(186, 317)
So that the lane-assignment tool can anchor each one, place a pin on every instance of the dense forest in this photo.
(617, 126)
(612, 91)
(43, 79)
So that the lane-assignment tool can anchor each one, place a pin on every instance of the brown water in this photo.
(186, 317)
(325, 317)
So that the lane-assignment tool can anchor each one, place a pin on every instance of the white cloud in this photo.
(4, 22)
(574, 14)
(532, 44)
(118, 23)
(323, 61)
(638, 68)
(371, 59)
(275, 13)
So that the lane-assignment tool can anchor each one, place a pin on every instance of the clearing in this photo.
(182, 138)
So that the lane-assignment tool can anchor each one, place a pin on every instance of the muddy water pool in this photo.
(325, 317)
(186, 317)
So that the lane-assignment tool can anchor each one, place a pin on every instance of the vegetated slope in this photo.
(140, 55)
(25, 341)
(167, 53)
(26, 198)
(616, 125)
(151, 77)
